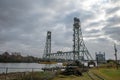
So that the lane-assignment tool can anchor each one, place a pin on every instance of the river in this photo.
(23, 67)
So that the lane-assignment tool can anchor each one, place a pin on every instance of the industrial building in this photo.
(100, 58)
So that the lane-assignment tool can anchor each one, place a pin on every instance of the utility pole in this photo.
(116, 56)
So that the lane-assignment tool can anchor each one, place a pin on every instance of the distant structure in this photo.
(100, 58)
(47, 50)
(79, 51)
(79, 48)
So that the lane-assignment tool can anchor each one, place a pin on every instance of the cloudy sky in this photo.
(24, 24)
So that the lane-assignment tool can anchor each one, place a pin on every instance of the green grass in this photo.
(72, 77)
(108, 74)
(112, 73)
(39, 76)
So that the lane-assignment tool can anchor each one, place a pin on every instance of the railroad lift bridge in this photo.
(79, 52)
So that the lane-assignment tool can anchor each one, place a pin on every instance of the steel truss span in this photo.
(79, 52)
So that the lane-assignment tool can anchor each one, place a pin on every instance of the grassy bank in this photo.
(72, 77)
(28, 76)
(39, 76)
(108, 74)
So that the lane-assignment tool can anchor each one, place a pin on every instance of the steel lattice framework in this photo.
(79, 48)
(47, 50)
(80, 51)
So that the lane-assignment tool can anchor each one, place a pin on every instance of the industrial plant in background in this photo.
(100, 58)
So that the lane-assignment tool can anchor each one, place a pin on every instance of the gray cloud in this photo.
(112, 10)
(112, 21)
(93, 31)
(113, 32)
(24, 23)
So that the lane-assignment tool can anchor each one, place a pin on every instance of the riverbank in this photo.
(28, 76)
(94, 74)
(108, 73)
(12, 76)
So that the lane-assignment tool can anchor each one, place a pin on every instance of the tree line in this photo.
(16, 57)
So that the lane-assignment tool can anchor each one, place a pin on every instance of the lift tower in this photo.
(47, 49)
(79, 48)
(76, 39)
